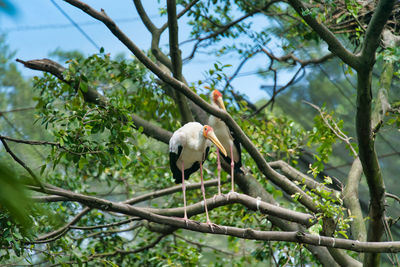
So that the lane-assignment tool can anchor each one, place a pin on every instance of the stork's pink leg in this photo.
(184, 193)
(219, 172)
(204, 194)
(232, 170)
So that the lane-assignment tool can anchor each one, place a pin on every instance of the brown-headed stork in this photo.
(188, 149)
(228, 140)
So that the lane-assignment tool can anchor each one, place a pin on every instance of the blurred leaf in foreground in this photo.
(13, 197)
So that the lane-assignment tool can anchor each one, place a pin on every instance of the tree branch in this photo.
(249, 202)
(222, 30)
(200, 245)
(334, 44)
(334, 128)
(297, 237)
(373, 35)
(34, 142)
(176, 60)
(20, 162)
(168, 191)
(295, 175)
(352, 201)
(303, 63)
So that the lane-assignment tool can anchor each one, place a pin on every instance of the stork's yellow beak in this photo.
(211, 135)
(220, 103)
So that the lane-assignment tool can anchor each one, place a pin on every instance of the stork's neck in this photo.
(214, 104)
(202, 141)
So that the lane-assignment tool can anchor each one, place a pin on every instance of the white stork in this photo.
(228, 140)
(188, 149)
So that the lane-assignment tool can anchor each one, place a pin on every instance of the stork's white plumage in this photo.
(227, 139)
(188, 149)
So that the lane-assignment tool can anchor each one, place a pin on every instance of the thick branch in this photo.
(164, 60)
(249, 202)
(176, 60)
(144, 17)
(352, 202)
(370, 163)
(373, 35)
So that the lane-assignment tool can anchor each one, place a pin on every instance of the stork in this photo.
(228, 140)
(188, 149)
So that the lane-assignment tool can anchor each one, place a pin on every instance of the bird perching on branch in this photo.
(228, 140)
(188, 149)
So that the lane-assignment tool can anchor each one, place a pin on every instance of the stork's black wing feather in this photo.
(173, 158)
(228, 160)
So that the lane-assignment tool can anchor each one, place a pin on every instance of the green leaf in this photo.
(13, 197)
(84, 86)
(82, 162)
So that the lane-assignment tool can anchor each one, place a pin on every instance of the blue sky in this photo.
(39, 28)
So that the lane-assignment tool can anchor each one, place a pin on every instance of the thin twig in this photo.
(20, 162)
(335, 128)
(204, 245)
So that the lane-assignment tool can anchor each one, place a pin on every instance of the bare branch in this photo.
(276, 92)
(168, 191)
(352, 201)
(62, 230)
(176, 60)
(180, 14)
(155, 33)
(46, 199)
(109, 232)
(144, 17)
(116, 252)
(297, 237)
(291, 57)
(16, 110)
(34, 142)
(249, 202)
(220, 31)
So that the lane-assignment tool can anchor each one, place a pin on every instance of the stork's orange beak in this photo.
(220, 103)
(213, 138)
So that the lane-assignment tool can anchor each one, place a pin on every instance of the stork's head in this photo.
(208, 133)
(217, 99)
